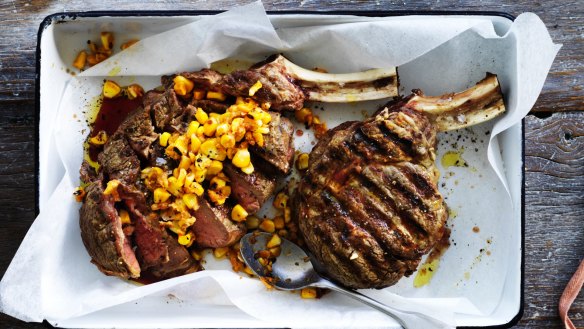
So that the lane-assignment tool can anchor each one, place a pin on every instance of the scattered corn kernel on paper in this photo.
(476, 282)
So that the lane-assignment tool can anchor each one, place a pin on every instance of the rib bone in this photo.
(477, 104)
(344, 87)
(286, 85)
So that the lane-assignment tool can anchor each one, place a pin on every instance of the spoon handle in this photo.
(408, 320)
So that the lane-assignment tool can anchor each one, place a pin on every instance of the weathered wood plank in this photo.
(554, 230)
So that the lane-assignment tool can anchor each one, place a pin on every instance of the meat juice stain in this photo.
(111, 113)
(432, 262)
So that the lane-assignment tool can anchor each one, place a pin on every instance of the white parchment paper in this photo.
(51, 278)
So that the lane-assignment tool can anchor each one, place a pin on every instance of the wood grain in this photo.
(554, 142)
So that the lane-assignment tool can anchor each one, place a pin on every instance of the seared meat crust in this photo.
(368, 206)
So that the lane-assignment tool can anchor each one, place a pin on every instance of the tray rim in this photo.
(61, 17)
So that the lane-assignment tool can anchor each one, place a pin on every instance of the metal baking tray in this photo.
(54, 52)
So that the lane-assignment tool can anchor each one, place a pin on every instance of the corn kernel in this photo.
(80, 60)
(308, 293)
(252, 222)
(274, 241)
(198, 94)
(195, 143)
(266, 118)
(238, 213)
(160, 195)
(275, 251)
(201, 133)
(107, 40)
(242, 158)
(220, 252)
(281, 200)
(185, 162)
(304, 115)
(99, 139)
(266, 106)
(267, 225)
(192, 128)
(200, 175)
(210, 127)
(279, 222)
(287, 214)
(217, 182)
(124, 216)
(96, 58)
(228, 141)
(184, 240)
(259, 138)
(248, 271)
(208, 147)
(302, 161)
(191, 201)
(256, 86)
(222, 129)
(182, 85)
(128, 44)
(197, 188)
(215, 168)
(111, 89)
(181, 143)
(216, 95)
(248, 170)
(197, 255)
(201, 116)
(173, 187)
(112, 187)
(79, 194)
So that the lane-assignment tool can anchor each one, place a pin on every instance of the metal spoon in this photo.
(293, 270)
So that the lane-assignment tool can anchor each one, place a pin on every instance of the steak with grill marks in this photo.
(368, 206)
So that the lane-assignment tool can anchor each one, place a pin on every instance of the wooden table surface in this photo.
(554, 209)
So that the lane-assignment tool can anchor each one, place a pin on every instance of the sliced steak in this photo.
(118, 160)
(179, 262)
(278, 149)
(87, 173)
(214, 228)
(209, 105)
(250, 191)
(102, 234)
(277, 88)
(149, 238)
(139, 131)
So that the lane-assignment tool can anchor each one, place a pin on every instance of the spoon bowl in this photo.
(293, 270)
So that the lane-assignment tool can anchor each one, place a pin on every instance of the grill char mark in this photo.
(379, 198)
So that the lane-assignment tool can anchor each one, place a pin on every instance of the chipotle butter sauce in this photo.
(111, 114)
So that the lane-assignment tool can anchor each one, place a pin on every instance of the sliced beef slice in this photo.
(277, 89)
(278, 149)
(250, 191)
(179, 262)
(209, 105)
(103, 237)
(87, 173)
(139, 131)
(214, 228)
(118, 160)
(151, 245)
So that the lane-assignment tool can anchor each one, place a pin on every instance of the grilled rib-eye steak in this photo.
(368, 206)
